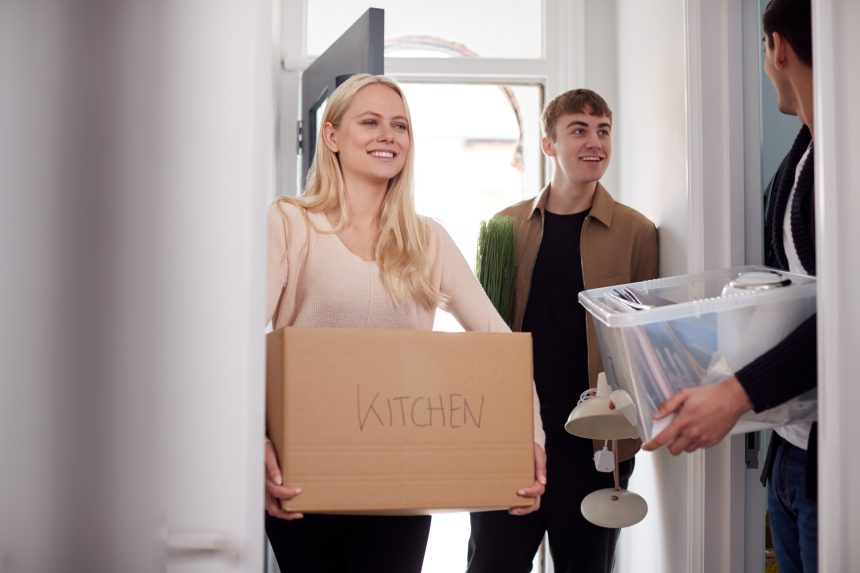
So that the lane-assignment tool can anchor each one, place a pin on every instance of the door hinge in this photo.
(298, 137)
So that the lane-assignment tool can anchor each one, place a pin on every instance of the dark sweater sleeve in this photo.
(785, 371)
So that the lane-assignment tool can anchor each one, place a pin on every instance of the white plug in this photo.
(604, 460)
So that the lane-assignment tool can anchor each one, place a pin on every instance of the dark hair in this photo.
(573, 101)
(791, 19)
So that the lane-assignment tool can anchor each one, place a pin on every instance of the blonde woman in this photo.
(352, 252)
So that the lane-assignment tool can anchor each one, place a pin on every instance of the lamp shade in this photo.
(592, 418)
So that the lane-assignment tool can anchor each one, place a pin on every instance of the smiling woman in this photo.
(351, 252)
(376, 218)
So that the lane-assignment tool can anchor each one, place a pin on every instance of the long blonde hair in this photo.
(401, 242)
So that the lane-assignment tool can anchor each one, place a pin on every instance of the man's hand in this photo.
(703, 416)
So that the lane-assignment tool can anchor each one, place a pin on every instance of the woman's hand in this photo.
(537, 489)
(275, 488)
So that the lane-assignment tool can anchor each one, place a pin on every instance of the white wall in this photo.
(652, 147)
(651, 152)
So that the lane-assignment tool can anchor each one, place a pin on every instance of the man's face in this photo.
(774, 61)
(582, 146)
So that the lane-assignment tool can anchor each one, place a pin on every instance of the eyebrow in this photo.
(584, 124)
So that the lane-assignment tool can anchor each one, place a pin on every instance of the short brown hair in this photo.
(792, 19)
(573, 101)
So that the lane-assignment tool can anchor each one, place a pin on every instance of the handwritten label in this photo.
(449, 410)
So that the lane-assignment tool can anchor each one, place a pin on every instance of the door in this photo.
(359, 49)
(138, 150)
(216, 127)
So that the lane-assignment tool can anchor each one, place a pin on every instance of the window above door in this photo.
(501, 29)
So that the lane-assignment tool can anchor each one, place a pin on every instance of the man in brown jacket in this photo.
(572, 236)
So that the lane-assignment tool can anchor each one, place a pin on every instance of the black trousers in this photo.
(503, 543)
(349, 543)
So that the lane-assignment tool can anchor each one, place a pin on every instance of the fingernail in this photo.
(278, 479)
(521, 492)
(542, 480)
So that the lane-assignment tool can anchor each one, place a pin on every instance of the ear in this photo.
(547, 146)
(329, 136)
(780, 53)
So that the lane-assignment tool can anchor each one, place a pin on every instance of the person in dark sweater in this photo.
(572, 236)
(704, 415)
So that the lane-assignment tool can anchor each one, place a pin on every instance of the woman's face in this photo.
(372, 139)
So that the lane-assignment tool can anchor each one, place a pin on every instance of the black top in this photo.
(789, 368)
(557, 322)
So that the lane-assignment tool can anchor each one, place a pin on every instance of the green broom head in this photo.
(496, 263)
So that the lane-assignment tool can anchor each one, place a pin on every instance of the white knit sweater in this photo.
(314, 280)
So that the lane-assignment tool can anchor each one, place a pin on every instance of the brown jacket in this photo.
(618, 245)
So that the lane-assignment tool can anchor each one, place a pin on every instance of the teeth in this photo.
(386, 154)
(590, 158)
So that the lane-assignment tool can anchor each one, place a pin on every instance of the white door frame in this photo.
(726, 503)
(837, 173)
(214, 164)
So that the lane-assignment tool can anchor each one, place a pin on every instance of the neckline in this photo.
(326, 226)
(578, 215)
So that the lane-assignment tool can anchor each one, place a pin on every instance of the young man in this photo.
(705, 415)
(572, 236)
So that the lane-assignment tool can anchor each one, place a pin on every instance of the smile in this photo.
(383, 154)
(591, 158)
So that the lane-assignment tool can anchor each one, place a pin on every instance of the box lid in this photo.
(689, 295)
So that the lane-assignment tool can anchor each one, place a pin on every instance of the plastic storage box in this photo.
(659, 336)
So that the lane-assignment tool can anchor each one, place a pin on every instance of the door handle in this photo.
(192, 544)
(751, 450)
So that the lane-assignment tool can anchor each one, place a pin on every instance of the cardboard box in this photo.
(401, 422)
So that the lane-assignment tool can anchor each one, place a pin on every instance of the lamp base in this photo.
(613, 508)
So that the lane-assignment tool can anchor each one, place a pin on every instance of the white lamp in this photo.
(592, 418)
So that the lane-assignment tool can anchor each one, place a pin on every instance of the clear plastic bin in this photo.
(659, 336)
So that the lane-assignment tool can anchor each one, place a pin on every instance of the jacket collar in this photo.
(602, 206)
